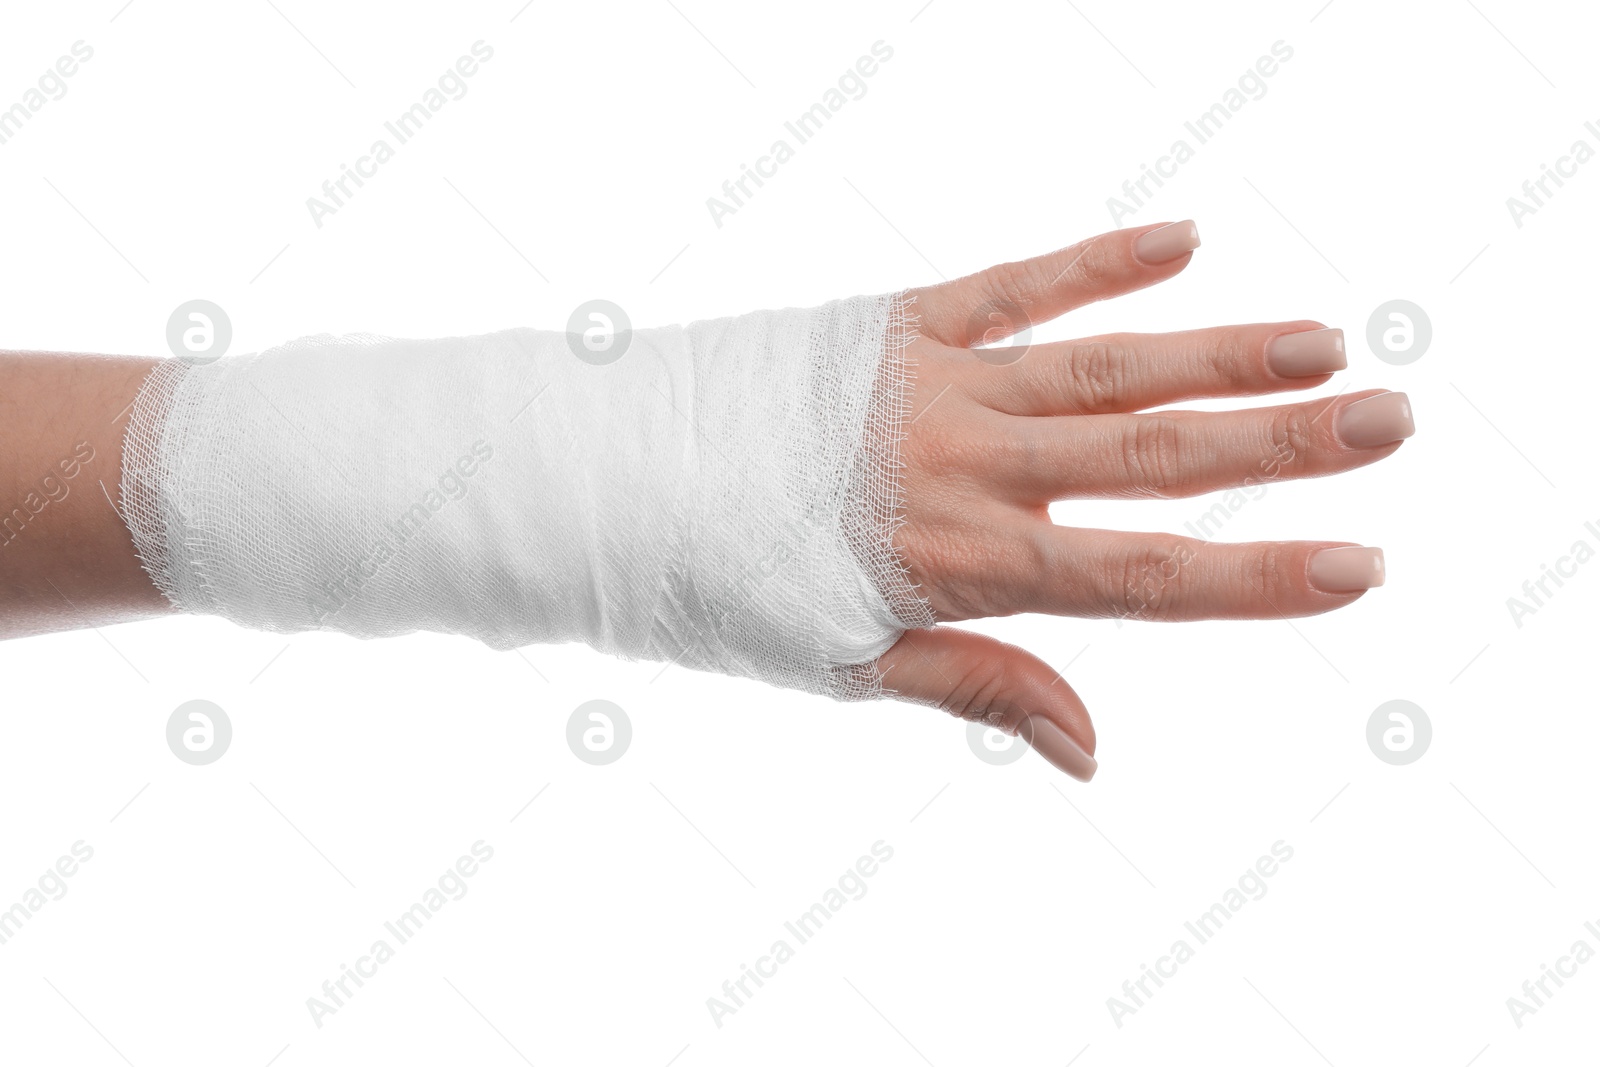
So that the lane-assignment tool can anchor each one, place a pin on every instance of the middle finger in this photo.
(1185, 453)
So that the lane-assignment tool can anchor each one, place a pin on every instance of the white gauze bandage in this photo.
(722, 496)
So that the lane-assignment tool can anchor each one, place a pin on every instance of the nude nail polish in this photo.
(1377, 420)
(1052, 742)
(1167, 243)
(1300, 355)
(1346, 570)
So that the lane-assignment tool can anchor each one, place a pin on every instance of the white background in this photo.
(1376, 166)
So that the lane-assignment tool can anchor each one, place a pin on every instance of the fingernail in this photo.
(1167, 243)
(1346, 570)
(1052, 742)
(1300, 355)
(1377, 420)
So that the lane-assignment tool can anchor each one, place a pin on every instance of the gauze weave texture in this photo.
(723, 496)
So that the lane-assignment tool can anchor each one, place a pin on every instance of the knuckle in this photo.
(1231, 359)
(1096, 375)
(1269, 574)
(1150, 453)
(1151, 581)
(978, 695)
(1292, 436)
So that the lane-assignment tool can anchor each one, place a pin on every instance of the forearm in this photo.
(66, 558)
(718, 495)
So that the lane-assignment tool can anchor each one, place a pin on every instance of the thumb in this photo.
(980, 679)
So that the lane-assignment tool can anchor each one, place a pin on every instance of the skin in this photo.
(66, 559)
(989, 446)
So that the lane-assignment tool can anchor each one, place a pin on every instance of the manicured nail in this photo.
(1167, 243)
(1346, 570)
(1377, 420)
(1300, 355)
(1052, 742)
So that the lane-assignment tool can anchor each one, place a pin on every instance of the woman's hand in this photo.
(995, 435)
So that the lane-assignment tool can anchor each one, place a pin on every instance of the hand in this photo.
(995, 435)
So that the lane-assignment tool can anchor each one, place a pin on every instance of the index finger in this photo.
(995, 303)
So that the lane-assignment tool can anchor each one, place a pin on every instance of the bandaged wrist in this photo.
(722, 496)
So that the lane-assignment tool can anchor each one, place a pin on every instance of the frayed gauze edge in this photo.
(724, 496)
